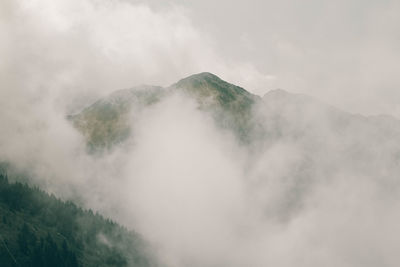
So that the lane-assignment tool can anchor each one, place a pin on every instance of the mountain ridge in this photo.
(104, 123)
(107, 122)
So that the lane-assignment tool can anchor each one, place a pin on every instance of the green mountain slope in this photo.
(37, 229)
(230, 105)
(108, 121)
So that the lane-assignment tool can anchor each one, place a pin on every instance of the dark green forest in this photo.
(37, 229)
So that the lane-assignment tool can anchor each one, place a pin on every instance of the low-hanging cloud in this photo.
(322, 189)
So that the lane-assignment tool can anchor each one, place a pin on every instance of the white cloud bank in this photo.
(187, 186)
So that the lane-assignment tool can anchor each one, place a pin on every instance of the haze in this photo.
(321, 189)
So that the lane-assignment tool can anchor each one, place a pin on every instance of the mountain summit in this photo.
(208, 85)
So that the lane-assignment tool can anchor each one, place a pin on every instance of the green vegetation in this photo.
(37, 229)
(109, 121)
(231, 106)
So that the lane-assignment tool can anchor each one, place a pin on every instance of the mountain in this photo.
(256, 122)
(253, 120)
(108, 122)
(37, 229)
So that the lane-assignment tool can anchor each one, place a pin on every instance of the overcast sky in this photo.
(345, 52)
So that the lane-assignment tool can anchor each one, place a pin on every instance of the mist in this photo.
(321, 189)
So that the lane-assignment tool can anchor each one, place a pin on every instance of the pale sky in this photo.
(345, 52)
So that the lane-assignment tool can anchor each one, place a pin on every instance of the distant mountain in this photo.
(106, 122)
(252, 119)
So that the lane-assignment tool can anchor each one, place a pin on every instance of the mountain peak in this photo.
(203, 77)
(105, 122)
(206, 84)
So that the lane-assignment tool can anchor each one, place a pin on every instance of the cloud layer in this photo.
(322, 190)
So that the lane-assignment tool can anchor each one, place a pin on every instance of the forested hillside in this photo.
(37, 229)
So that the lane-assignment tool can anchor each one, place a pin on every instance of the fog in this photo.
(321, 190)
